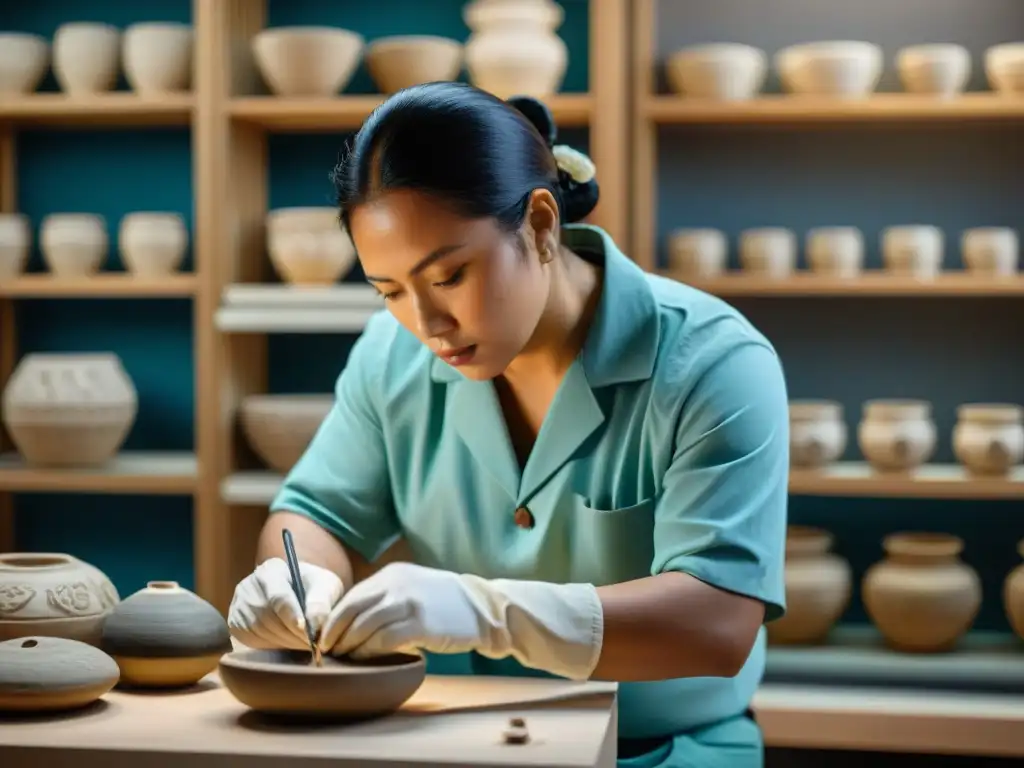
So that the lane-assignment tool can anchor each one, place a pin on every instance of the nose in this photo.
(431, 320)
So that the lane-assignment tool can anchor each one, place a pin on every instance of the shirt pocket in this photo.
(610, 546)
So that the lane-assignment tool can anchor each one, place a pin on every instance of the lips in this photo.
(458, 356)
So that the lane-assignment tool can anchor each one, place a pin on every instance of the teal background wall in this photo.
(945, 350)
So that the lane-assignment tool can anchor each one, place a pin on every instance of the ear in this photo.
(542, 218)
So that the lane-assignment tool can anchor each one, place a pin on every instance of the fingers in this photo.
(360, 614)
(400, 637)
(323, 591)
(274, 582)
(253, 624)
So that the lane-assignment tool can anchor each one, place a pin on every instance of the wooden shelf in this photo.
(983, 106)
(934, 481)
(277, 113)
(886, 720)
(151, 473)
(108, 285)
(108, 109)
(254, 308)
(870, 283)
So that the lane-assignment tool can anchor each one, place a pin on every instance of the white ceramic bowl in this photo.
(913, 249)
(23, 62)
(402, 61)
(1004, 68)
(838, 68)
(722, 71)
(157, 57)
(307, 61)
(940, 69)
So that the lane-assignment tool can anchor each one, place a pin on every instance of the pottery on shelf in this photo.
(836, 68)
(287, 683)
(279, 427)
(817, 433)
(1004, 68)
(988, 438)
(47, 674)
(819, 584)
(1013, 595)
(402, 61)
(309, 245)
(24, 59)
(307, 61)
(991, 251)
(922, 597)
(514, 49)
(165, 636)
(913, 250)
(835, 251)
(86, 57)
(768, 251)
(53, 595)
(152, 244)
(73, 244)
(717, 71)
(698, 253)
(897, 435)
(15, 242)
(158, 57)
(69, 410)
(939, 69)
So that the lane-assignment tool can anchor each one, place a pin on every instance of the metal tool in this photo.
(300, 592)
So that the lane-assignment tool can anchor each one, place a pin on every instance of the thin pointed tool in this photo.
(300, 592)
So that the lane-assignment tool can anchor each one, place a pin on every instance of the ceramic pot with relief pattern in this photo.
(165, 636)
(45, 594)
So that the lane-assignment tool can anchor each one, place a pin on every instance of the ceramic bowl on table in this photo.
(287, 684)
(836, 68)
(720, 71)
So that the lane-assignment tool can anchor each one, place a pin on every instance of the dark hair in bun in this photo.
(481, 155)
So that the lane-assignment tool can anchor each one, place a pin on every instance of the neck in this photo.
(563, 326)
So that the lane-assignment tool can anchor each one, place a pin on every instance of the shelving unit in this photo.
(815, 708)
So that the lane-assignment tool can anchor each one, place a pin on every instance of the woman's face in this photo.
(472, 293)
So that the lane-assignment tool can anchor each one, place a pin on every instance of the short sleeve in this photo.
(722, 514)
(342, 482)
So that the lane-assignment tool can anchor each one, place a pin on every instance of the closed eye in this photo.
(455, 279)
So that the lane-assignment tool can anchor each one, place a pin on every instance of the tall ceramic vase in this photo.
(1013, 595)
(513, 49)
(922, 597)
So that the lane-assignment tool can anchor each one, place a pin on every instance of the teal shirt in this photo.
(666, 449)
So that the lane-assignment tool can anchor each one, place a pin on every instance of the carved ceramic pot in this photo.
(817, 432)
(922, 597)
(513, 49)
(15, 243)
(73, 244)
(69, 410)
(897, 435)
(989, 439)
(40, 674)
(1013, 595)
(308, 245)
(165, 636)
(152, 244)
(818, 588)
(53, 595)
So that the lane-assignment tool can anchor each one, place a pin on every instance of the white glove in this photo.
(265, 613)
(406, 608)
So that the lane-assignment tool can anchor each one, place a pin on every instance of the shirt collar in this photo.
(622, 343)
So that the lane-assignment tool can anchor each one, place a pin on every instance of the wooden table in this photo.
(451, 721)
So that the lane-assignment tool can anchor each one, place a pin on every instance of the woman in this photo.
(587, 464)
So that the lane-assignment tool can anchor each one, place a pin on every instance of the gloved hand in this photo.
(265, 613)
(405, 608)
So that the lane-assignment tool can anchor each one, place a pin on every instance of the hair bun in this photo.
(537, 113)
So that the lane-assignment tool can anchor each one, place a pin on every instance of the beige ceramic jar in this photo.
(897, 435)
(817, 432)
(835, 251)
(768, 251)
(15, 243)
(922, 597)
(53, 595)
(514, 49)
(73, 244)
(913, 250)
(86, 57)
(1013, 595)
(697, 253)
(152, 243)
(988, 439)
(818, 588)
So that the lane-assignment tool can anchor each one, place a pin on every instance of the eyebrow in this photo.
(422, 264)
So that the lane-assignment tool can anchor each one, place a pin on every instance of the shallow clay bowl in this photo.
(285, 683)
